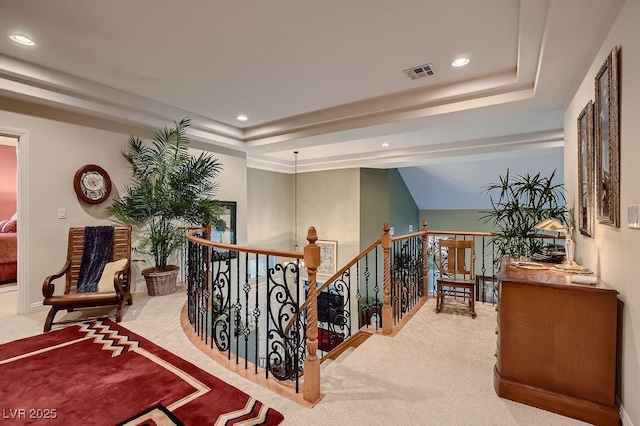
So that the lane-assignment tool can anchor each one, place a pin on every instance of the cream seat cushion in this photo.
(106, 280)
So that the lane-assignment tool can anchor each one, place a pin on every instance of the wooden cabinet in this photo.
(556, 344)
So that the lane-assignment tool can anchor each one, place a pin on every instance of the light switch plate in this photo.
(410, 228)
(633, 216)
(62, 213)
(391, 230)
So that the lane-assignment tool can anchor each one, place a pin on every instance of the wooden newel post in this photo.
(425, 260)
(311, 384)
(387, 311)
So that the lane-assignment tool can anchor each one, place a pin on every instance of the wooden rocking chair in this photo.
(106, 295)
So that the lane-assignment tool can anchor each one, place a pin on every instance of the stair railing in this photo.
(401, 278)
(485, 257)
(240, 299)
(252, 305)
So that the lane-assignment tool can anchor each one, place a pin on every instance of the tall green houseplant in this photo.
(170, 188)
(518, 203)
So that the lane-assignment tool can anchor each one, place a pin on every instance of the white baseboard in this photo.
(36, 307)
(624, 417)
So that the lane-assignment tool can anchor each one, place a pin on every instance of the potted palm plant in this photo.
(519, 202)
(170, 189)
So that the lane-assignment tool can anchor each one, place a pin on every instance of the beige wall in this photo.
(232, 183)
(330, 202)
(269, 210)
(374, 204)
(613, 252)
(57, 149)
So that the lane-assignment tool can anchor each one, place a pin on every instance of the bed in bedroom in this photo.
(8, 252)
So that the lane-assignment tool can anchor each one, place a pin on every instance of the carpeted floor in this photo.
(59, 378)
(437, 371)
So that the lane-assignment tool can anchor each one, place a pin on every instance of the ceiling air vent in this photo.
(419, 72)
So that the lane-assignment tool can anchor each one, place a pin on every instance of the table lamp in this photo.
(569, 245)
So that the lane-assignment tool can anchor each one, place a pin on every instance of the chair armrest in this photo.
(117, 278)
(48, 287)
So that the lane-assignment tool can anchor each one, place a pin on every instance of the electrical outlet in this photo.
(62, 213)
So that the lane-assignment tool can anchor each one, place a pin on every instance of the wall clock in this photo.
(92, 184)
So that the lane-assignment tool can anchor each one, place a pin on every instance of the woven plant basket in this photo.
(160, 283)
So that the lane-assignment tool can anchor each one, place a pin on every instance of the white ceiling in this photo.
(324, 78)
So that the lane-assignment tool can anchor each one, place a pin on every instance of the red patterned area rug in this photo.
(100, 373)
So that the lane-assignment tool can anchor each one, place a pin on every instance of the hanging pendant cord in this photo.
(295, 199)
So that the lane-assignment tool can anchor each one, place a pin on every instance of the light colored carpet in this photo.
(438, 370)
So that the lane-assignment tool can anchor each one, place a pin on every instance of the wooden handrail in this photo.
(489, 234)
(244, 249)
(350, 264)
(311, 258)
(335, 276)
(470, 233)
(407, 236)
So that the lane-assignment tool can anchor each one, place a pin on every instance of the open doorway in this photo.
(21, 150)
(8, 224)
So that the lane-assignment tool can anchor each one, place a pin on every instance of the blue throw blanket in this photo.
(95, 254)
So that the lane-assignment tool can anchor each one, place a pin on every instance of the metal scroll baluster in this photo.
(297, 361)
(237, 318)
(230, 310)
(376, 289)
(222, 271)
(245, 326)
(256, 314)
(338, 315)
(358, 294)
(394, 297)
(283, 344)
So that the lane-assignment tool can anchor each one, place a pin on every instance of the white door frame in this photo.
(24, 163)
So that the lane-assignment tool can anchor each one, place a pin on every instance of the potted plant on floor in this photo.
(368, 308)
(170, 189)
(518, 204)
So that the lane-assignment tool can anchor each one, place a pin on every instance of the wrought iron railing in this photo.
(265, 310)
(389, 273)
(408, 271)
(240, 299)
(348, 300)
(257, 307)
(485, 257)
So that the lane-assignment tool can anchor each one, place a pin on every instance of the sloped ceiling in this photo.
(324, 78)
(450, 184)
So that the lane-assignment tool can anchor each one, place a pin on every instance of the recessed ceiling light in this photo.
(20, 39)
(385, 144)
(242, 117)
(460, 62)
